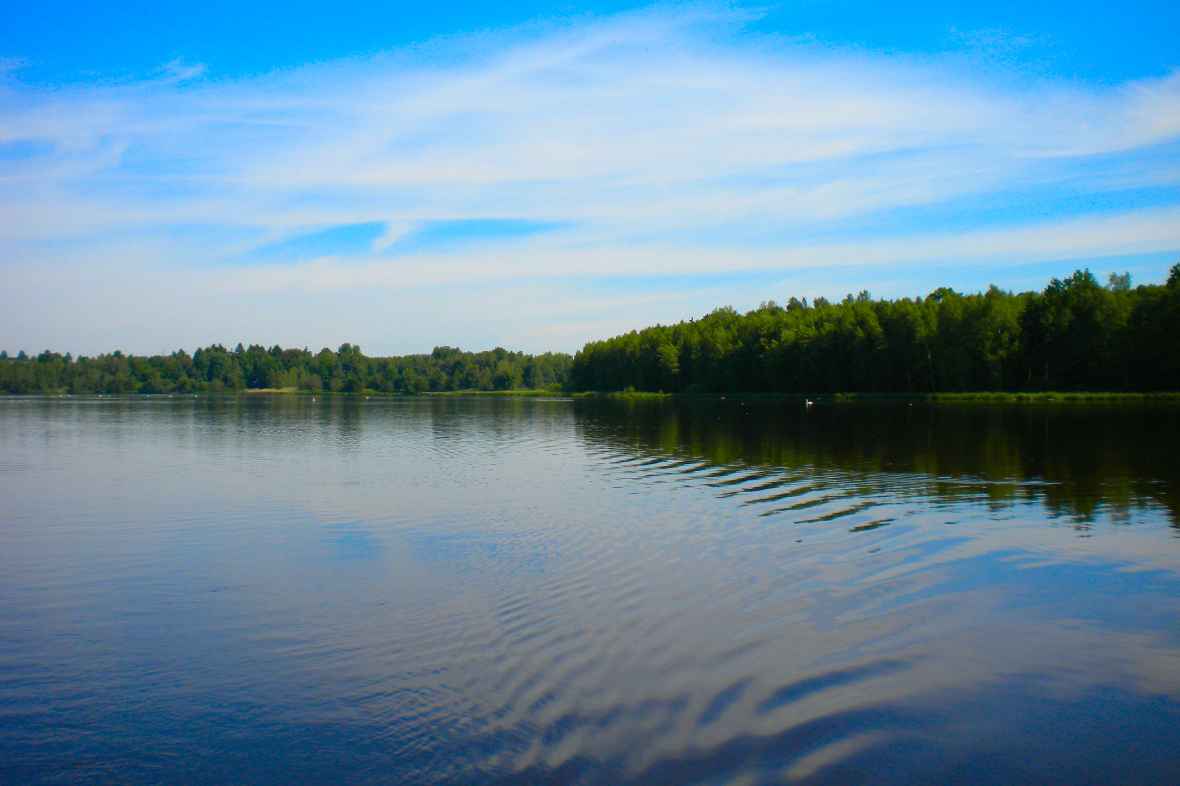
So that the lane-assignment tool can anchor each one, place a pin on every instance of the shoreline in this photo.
(984, 397)
(970, 397)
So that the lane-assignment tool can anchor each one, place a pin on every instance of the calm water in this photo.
(527, 591)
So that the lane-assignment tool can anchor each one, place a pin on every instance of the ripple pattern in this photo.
(552, 591)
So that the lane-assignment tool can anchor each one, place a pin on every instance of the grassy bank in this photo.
(981, 397)
(976, 397)
(1054, 397)
(519, 393)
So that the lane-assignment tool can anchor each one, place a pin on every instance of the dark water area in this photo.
(470, 591)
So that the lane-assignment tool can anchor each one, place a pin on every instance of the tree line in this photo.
(215, 369)
(1075, 334)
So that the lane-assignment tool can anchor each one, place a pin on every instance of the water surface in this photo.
(276, 590)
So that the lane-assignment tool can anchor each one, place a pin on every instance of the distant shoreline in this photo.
(997, 397)
(972, 397)
(1106, 343)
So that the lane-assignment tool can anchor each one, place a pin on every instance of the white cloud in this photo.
(663, 142)
(176, 71)
(1148, 231)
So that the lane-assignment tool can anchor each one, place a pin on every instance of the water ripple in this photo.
(505, 591)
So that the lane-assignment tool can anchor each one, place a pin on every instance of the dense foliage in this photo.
(215, 369)
(1076, 334)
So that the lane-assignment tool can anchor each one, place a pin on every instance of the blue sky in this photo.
(535, 175)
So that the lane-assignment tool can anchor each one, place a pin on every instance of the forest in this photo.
(215, 369)
(1076, 334)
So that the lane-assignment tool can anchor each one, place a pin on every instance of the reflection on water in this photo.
(529, 591)
(1074, 458)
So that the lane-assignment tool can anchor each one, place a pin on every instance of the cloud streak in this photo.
(656, 143)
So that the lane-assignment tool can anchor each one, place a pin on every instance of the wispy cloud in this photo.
(9, 65)
(176, 71)
(652, 143)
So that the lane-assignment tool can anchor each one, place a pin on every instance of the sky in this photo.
(536, 175)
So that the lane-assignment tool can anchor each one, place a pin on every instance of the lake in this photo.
(275, 590)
